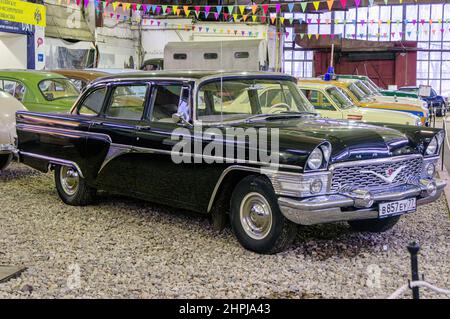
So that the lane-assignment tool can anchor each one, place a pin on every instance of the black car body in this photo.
(325, 170)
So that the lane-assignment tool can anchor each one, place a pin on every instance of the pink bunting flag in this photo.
(78, 2)
(134, 6)
(278, 8)
(207, 9)
(343, 3)
(216, 15)
(265, 8)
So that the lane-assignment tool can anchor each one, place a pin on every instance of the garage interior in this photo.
(122, 245)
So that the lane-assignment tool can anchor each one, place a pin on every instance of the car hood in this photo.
(349, 140)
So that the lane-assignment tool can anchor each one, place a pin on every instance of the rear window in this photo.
(55, 89)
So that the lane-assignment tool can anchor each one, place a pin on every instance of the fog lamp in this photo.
(316, 186)
(430, 169)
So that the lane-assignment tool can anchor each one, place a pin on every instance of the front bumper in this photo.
(344, 207)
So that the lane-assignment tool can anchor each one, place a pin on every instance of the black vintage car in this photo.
(228, 143)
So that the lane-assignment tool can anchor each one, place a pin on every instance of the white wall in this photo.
(13, 51)
(155, 38)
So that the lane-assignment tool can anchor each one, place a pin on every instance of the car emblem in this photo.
(390, 172)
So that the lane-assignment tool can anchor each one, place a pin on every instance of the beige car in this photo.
(8, 108)
(330, 102)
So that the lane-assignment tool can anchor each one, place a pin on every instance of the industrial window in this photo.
(210, 56)
(425, 23)
(180, 56)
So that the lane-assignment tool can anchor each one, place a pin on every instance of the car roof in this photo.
(315, 84)
(25, 75)
(196, 75)
(85, 74)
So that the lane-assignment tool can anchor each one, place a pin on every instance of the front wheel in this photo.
(256, 218)
(374, 225)
(72, 188)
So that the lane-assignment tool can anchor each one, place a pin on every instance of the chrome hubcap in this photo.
(256, 216)
(69, 180)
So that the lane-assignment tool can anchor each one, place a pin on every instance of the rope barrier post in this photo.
(413, 249)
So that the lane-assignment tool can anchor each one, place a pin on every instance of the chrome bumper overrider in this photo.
(344, 207)
(8, 149)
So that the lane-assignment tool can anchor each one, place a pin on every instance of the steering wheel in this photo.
(274, 107)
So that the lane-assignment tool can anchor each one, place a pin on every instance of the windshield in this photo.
(238, 99)
(58, 89)
(371, 86)
(339, 98)
(363, 88)
(360, 95)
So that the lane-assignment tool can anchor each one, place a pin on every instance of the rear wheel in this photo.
(72, 188)
(256, 218)
(5, 159)
(374, 225)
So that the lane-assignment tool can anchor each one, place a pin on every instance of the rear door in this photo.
(122, 115)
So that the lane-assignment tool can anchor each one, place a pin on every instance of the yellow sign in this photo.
(23, 12)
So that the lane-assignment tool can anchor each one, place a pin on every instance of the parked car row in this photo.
(347, 98)
(118, 137)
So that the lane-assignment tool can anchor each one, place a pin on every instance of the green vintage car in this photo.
(39, 91)
(367, 81)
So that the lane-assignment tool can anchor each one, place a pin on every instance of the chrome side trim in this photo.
(223, 175)
(54, 160)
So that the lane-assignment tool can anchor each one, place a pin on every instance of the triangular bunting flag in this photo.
(316, 5)
(242, 9)
(230, 9)
(303, 5)
(290, 7)
(330, 4)
(343, 3)
(265, 8)
(218, 9)
(186, 10)
(254, 8)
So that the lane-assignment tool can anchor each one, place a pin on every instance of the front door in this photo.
(161, 177)
(121, 117)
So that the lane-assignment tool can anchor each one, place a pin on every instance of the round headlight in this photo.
(432, 147)
(315, 159)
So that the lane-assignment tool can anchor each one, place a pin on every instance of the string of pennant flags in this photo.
(158, 23)
(263, 13)
(218, 10)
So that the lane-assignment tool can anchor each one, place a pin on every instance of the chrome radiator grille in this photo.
(373, 174)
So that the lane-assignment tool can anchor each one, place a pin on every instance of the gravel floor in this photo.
(122, 248)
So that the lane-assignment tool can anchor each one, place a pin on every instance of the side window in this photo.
(319, 100)
(127, 102)
(14, 88)
(92, 105)
(168, 101)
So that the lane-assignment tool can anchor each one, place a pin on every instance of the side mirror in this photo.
(178, 118)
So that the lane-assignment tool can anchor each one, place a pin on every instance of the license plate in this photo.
(396, 208)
